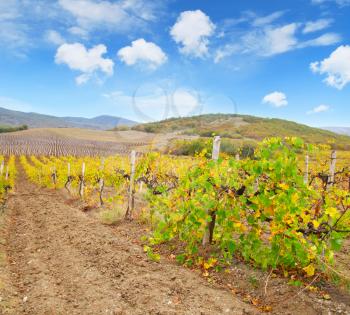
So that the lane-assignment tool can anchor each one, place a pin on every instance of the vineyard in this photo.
(284, 209)
(7, 176)
(55, 143)
(275, 210)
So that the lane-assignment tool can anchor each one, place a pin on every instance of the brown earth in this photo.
(58, 260)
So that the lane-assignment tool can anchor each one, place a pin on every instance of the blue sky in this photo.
(148, 60)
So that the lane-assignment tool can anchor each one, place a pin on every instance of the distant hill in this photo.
(34, 120)
(244, 127)
(340, 130)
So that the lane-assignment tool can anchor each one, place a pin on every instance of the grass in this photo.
(111, 216)
(245, 128)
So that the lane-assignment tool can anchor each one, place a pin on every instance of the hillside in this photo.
(34, 120)
(244, 127)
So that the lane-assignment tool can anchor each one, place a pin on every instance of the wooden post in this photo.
(216, 148)
(209, 230)
(2, 167)
(101, 181)
(54, 176)
(332, 169)
(81, 190)
(256, 184)
(131, 200)
(7, 173)
(237, 157)
(69, 179)
(306, 175)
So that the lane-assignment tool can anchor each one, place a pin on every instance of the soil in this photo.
(56, 259)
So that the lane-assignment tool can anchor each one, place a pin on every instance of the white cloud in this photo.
(192, 30)
(268, 19)
(13, 32)
(87, 61)
(319, 109)
(144, 52)
(338, 2)
(115, 16)
(336, 67)
(226, 51)
(9, 10)
(271, 41)
(89, 11)
(276, 99)
(318, 25)
(21, 24)
(323, 40)
(146, 10)
(78, 31)
(54, 37)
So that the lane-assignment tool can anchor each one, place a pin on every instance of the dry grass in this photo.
(111, 216)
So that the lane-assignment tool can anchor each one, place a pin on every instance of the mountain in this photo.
(339, 130)
(99, 122)
(33, 120)
(245, 128)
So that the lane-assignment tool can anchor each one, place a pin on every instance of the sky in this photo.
(150, 60)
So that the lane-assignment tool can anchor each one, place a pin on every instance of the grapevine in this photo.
(261, 209)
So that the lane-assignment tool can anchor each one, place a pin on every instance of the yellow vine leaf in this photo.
(310, 270)
(316, 224)
(210, 263)
(295, 197)
(332, 212)
(283, 186)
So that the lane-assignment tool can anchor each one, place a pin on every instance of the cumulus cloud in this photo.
(192, 30)
(276, 99)
(336, 67)
(88, 61)
(314, 26)
(54, 37)
(143, 52)
(319, 109)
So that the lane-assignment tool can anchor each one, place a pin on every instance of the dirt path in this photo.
(60, 261)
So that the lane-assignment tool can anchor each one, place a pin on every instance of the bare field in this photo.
(79, 142)
(61, 261)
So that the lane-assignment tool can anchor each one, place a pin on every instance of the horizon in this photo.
(151, 61)
(180, 117)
